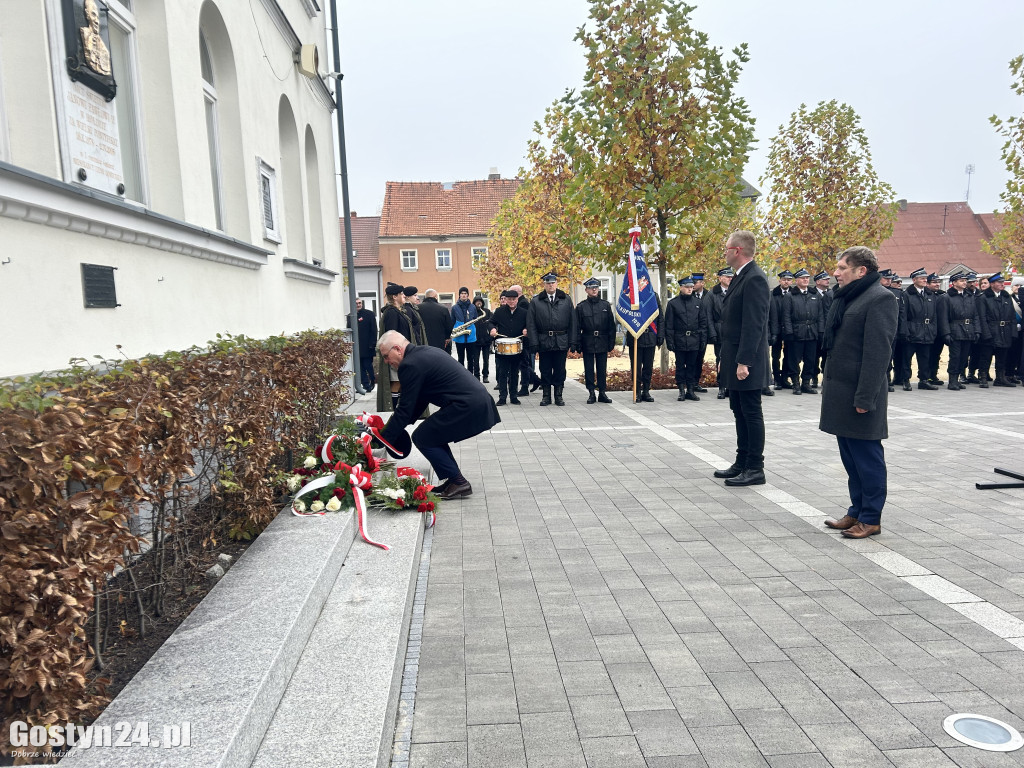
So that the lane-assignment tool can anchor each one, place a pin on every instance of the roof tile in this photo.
(932, 235)
(413, 208)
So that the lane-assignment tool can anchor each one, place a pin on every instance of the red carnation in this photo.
(420, 494)
(427, 506)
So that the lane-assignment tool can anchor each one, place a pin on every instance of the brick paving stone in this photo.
(775, 732)
(599, 715)
(551, 740)
(613, 752)
(439, 755)
(500, 746)
(727, 746)
(585, 678)
(701, 706)
(661, 733)
(491, 699)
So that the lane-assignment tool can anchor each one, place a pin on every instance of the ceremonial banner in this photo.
(637, 304)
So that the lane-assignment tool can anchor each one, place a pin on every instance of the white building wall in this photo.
(178, 281)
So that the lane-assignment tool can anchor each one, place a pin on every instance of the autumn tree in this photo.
(539, 229)
(703, 237)
(1008, 242)
(824, 193)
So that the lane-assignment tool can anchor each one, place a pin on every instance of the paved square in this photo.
(602, 600)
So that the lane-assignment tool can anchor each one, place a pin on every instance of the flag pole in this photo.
(636, 364)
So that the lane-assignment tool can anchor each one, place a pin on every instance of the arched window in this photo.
(212, 135)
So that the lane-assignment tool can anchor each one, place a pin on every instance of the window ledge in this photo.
(303, 270)
(410, 269)
(444, 269)
(29, 196)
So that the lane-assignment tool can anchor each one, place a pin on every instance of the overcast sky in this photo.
(443, 90)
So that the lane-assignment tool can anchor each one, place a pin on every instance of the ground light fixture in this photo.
(983, 732)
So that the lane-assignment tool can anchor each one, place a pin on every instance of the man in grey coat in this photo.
(859, 332)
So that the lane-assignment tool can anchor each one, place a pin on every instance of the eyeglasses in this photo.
(734, 247)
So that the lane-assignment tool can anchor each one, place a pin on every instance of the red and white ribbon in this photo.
(313, 485)
(362, 481)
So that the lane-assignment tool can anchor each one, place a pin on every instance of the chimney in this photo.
(353, 214)
(493, 175)
(902, 204)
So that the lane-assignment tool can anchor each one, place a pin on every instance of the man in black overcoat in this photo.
(437, 321)
(858, 336)
(595, 324)
(551, 328)
(430, 376)
(367, 344)
(745, 358)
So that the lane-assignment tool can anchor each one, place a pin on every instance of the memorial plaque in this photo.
(87, 45)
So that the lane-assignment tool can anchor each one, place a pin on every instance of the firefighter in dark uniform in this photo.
(972, 361)
(508, 321)
(802, 324)
(822, 281)
(686, 327)
(900, 344)
(998, 330)
(551, 328)
(596, 338)
(646, 344)
(958, 326)
(935, 286)
(922, 327)
(780, 362)
(703, 298)
(715, 318)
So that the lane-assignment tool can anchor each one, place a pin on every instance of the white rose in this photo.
(401, 493)
(334, 504)
(310, 462)
(316, 506)
(300, 506)
(294, 482)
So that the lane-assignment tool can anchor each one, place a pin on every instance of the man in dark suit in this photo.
(429, 376)
(367, 344)
(858, 337)
(437, 321)
(745, 358)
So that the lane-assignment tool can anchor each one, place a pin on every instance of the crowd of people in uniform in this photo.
(975, 318)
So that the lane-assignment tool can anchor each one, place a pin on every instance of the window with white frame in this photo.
(444, 259)
(448, 299)
(121, 28)
(479, 254)
(212, 135)
(369, 299)
(409, 261)
(606, 288)
(268, 202)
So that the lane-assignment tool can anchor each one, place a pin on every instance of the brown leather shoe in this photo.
(861, 531)
(842, 523)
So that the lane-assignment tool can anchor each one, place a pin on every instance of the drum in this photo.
(508, 346)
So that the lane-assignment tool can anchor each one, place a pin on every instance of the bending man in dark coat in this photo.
(858, 336)
(465, 409)
(745, 358)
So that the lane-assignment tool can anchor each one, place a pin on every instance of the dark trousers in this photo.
(896, 363)
(778, 368)
(746, 408)
(552, 367)
(469, 356)
(440, 458)
(923, 352)
(701, 353)
(937, 345)
(485, 353)
(646, 365)
(508, 374)
(958, 354)
(687, 368)
(526, 373)
(595, 370)
(986, 352)
(865, 468)
(1014, 355)
(367, 373)
(972, 362)
(802, 354)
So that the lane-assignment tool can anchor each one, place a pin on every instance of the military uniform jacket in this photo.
(826, 302)
(922, 316)
(551, 325)
(704, 305)
(686, 324)
(958, 320)
(901, 321)
(596, 326)
(509, 324)
(998, 318)
(715, 312)
(802, 316)
(775, 312)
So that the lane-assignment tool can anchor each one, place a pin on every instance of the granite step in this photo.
(340, 705)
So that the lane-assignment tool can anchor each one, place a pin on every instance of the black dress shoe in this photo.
(907, 387)
(892, 388)
(592, 399)
(732, 471)
(456, 490)
(796, 391)
(534, 386)
(514, 400)
(972, 379)
(766, 392)
(723, 393)
(524, 392)
(603, 398)
(807, 389)
(925, 385)
(501, 401)
(698, 388)
(747, 477)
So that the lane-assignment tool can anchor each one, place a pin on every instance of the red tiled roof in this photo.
(431, 208)
(364, 238)
(919, 239)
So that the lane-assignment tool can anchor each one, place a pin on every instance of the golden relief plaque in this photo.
(87, 44)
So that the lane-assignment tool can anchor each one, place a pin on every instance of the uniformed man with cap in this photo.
(686, 327)
(780, 362)
(958, 326)
(551, 328)
(935, 286)
(715, 316)
(803, 324)
(922, 327)
(703, 298)
(822, 283)
(595, 323)
(896, 286)
(975, 355)
(998, 330)
(508, 321)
